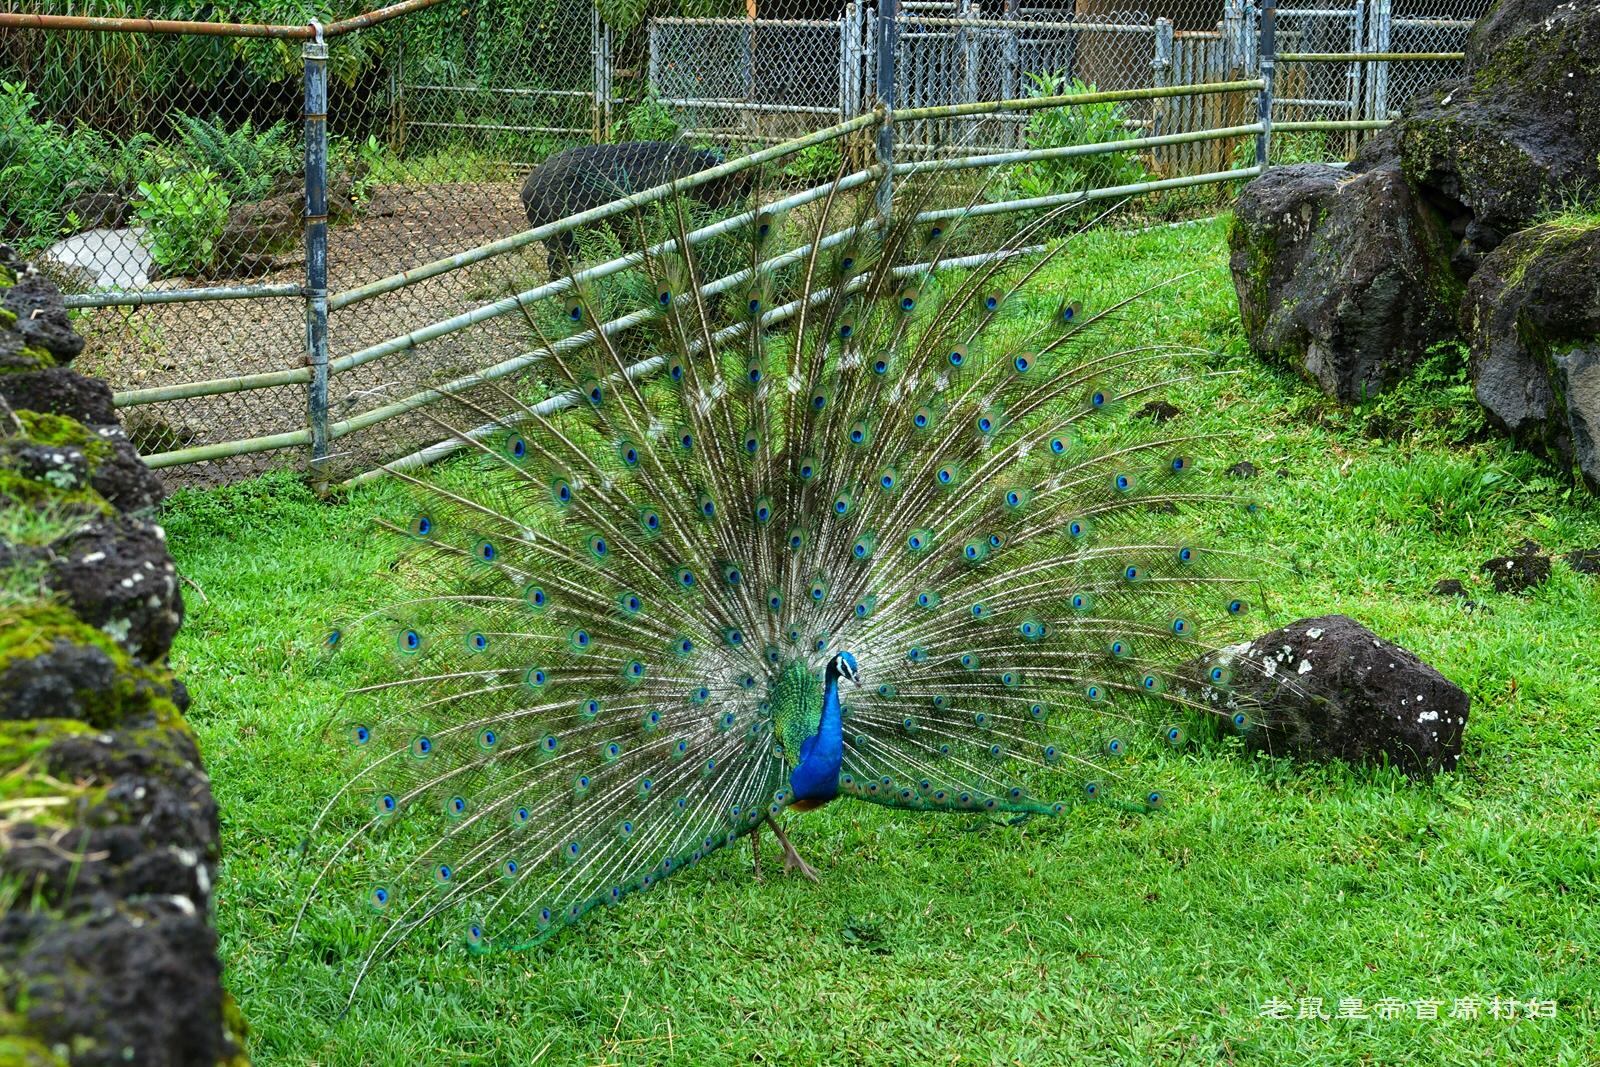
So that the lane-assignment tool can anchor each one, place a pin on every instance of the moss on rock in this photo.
(27, 790)
(52, 464)
(19, 1050)
(46, 429)
(53, 665)
(19, 490)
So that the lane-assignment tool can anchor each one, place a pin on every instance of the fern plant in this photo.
(251, 162)
(39, 159)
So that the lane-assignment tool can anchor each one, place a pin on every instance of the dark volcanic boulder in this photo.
(110, 832)
(590, 175)
(98, 208)
(41, 319)
(1532, 315)
(258, 228)
(55, 666)
(1345, 277)
(121, 476)
(59, 390)
(1353, 278)
(140, 985)
(1329, 688)
(117, 575)
(1523, 569)
(148, 823)
(1506, 19)
(1523, 131)
(1519, 135)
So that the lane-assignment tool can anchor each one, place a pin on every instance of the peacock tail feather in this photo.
(620, 610)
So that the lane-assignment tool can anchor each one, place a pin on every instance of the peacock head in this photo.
(843, 665)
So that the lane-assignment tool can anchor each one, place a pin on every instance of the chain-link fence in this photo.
(1355, 88)
(735, 81)
(143, 169)
(472, 96)
(283, 242)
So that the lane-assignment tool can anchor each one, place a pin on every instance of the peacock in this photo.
(846, 525)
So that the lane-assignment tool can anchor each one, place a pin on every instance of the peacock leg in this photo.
(755, 849)
(791, 858)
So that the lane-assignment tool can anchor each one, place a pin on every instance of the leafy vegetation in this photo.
(1063, 127)
(1435, 403)
(182, 188)
(1097, 939)
(43, 162)
(814, 165)
(650, 120)
(251, 163)
(183, 216)
(126, 82)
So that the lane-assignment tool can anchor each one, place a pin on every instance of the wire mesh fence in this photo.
(471, 96)
(143, 167)
(164, 178)
(1358, 89)
(745, 81)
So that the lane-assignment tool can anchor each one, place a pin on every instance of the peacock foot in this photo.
(791, 858)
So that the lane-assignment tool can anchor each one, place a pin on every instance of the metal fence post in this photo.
(314, 55)
(1379, 34)
(888, 34)
(1011, 71)
(1353, 87)
(747, 76)
(1161, 73)
(854, 60)
(966, 46)
(397, 95)
(1160, 77)
(1269, 63)
(600, 54)
(1233, 31)
(844, 61)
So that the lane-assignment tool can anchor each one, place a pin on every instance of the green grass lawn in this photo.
(1098, 938)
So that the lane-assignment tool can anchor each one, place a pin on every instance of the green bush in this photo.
(184, 215)
(650, 120)
(1060, 127)
(39, 160)
(251, 163)
(814, 165)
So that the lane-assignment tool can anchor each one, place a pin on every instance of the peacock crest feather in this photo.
(858, 526)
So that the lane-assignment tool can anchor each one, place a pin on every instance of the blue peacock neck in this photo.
(816, 775)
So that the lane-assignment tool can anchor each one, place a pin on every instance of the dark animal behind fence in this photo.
(591, 175)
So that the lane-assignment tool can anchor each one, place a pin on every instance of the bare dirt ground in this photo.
(403, 226)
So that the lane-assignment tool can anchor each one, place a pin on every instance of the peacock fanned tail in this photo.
(621, 609)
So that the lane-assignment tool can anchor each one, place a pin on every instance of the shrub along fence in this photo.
(270, 280)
